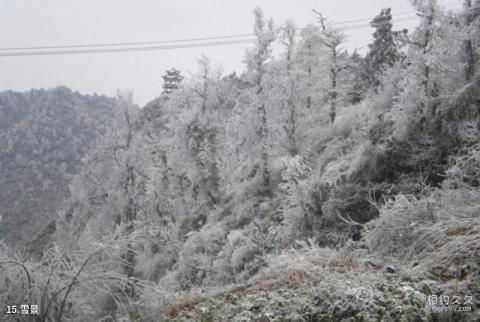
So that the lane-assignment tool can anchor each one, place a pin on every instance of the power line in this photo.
(59, 50)
(126, 43)
(90, 49)
(129, 49)
(181, 43)
(183, 40)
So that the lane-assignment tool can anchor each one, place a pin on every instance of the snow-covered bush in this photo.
(465, 170)
(296, 220)
(237, 260)
(198, 253)
(391, 234)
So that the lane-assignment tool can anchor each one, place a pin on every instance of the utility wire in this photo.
(181, 43)
(187, 39)
(127, 43)
(90, 49)
(128, 49)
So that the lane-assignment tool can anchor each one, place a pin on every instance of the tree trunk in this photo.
(292, 146)
(467, 45)
(309, 71)
(263, 131)
(333, 89)
(264, 136)
(291, 133)
(130, 217)
(426, 41)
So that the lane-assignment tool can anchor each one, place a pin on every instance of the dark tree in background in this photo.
(383, 52)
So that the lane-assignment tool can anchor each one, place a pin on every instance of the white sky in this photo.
(63, 22)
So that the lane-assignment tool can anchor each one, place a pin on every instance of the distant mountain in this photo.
(43, 136)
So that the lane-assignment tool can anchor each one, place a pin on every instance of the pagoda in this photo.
(171, 80)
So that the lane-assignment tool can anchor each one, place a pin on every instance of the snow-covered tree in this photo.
(471, 13)
(332, 39)
(383, 52)
(257, 58)
(288, 35)
(311, 58)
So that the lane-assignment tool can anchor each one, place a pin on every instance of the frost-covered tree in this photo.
(332, 39)
(204, 131)
(311, 59)
(256, 62)
(355, 84)
(435, 51)
(383, 52)
(428, 11)
(471, 13)
(288, 35)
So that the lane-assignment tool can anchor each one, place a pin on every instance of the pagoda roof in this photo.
(173, 71)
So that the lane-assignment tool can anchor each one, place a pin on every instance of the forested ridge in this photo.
(43, 136)
(318, 185)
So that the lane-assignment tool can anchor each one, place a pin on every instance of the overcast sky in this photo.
(25, 23)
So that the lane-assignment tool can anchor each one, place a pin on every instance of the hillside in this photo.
(43, 136)
(318, 185)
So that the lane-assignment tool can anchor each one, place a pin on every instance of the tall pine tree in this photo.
(383, 51)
